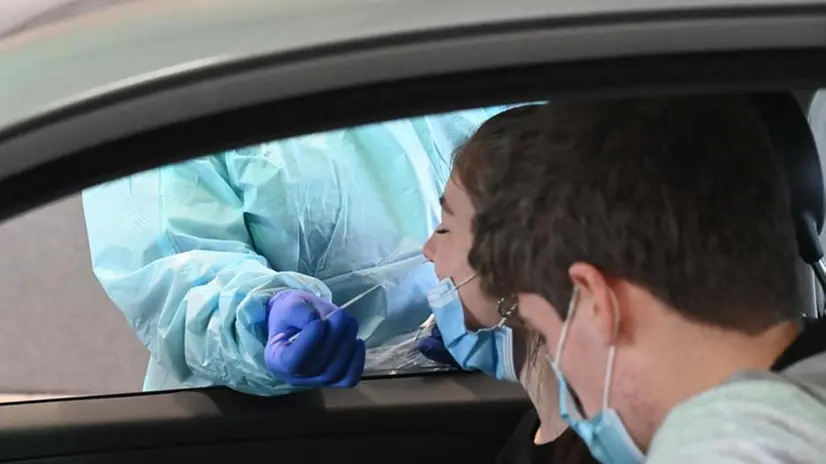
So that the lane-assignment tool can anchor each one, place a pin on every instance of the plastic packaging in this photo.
(401, 356)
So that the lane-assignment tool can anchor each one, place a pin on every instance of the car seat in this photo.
(790, 134)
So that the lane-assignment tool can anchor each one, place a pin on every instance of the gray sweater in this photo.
(755, 417)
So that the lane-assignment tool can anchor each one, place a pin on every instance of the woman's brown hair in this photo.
(478, 167)
(478, 164)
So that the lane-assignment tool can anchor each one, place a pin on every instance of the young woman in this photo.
(481, 331)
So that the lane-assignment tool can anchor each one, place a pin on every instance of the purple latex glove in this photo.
(433, 348)
(326, 353)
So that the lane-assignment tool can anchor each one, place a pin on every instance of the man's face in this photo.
(623, 317)
(448, 249)
(607, 315)
(584, 354)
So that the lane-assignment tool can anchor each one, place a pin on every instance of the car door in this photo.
(222, 103)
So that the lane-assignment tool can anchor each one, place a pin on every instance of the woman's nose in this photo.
(429, 249)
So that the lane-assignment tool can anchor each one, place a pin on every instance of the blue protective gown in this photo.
(192, 252)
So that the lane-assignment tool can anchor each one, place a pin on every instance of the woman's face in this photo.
(448, 250)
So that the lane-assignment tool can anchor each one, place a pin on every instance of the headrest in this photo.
(789, 132)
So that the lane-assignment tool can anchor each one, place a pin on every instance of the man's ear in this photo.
(597, 302)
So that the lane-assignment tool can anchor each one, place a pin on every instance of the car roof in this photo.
(63, 62)
(17, 16)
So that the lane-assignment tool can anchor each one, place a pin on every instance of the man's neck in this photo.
(716, 357)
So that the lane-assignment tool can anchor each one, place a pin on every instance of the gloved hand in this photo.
(433, 348)
(326, 353)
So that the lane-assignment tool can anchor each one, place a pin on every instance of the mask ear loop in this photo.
(609, 366)
(468, 279)
(563, 336)
(566, 325)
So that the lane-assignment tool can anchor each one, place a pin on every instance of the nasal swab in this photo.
(363, 294)
(345, 305)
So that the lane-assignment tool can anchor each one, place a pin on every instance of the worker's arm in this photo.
(171, 248)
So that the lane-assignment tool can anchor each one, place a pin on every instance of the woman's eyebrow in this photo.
(445, 206)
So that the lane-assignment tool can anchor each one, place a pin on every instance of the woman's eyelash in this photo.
(441, 231)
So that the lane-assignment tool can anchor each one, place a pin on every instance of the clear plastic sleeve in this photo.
(401, 356)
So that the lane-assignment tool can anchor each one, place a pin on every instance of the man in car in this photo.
(650, 243)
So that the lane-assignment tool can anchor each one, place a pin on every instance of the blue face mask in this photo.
(488, 350)
(604, 434)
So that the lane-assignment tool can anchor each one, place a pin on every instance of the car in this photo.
(147, 82)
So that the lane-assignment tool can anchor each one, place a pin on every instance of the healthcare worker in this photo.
(650, 242)
(230, 267)
(476, 331)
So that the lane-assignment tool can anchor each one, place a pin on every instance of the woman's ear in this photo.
(597, 302)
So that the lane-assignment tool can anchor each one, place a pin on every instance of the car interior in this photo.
(789, 131)
(437, 417)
